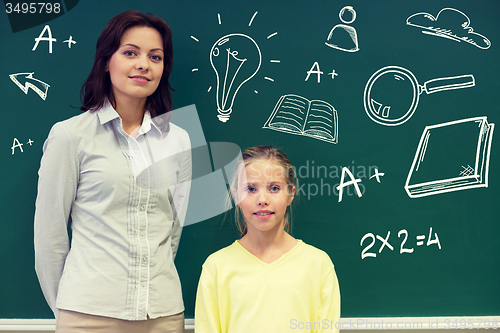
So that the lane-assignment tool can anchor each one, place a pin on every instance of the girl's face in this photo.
(265, 196)
(137, 66)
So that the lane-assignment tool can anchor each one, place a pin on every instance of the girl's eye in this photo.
(129, 53)
(275, 188)
(156, 58)
(251, 189)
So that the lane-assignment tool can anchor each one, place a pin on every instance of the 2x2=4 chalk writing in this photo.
(404, 246)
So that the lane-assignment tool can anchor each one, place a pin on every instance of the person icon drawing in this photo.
(342, 36)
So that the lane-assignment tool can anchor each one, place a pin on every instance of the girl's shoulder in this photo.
(224, 255)
(313, 255)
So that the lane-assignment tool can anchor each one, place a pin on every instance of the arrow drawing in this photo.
(38, 86)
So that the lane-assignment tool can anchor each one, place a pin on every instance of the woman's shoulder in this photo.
(74, 126)
(77, 122)
(178, 131)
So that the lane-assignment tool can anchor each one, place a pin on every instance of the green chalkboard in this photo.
(398, 97)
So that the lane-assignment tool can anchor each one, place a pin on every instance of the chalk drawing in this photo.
(70, 41)
(297, 115)
(26, 80)
(344, 37)
(449, 23)
(235, 58)
(451, 156)
(404, 245)
(392, 93)
(48, 39)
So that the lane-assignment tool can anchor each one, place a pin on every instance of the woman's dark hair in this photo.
(97, 87)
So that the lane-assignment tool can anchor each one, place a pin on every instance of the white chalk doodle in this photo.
(404, 246)
(235, 58)
(17, 144)
(70, 41)
(354, 181)
(392, 93)
(314, 70)
(297, 115)
(342, 36)
(251, 20)
(449, 23)
(48, 39)
(26, 80)
(451, 156)
(377, 175)
(333, 74)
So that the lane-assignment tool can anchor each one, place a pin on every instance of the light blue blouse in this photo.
(127, 199)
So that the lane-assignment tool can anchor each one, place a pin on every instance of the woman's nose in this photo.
(142, 64)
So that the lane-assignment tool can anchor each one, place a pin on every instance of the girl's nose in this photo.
(262, 199)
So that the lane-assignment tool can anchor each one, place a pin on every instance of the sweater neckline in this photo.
(274, 263)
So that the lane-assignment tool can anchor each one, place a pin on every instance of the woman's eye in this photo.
(129, 53)
(156, 58)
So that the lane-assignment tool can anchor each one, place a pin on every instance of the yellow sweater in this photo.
(239, 293)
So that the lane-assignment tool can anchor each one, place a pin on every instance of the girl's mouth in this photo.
(264, 215)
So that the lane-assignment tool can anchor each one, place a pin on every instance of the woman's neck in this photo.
(131, 113)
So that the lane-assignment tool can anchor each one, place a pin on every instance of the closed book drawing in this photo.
(451, 157)
(297, 115)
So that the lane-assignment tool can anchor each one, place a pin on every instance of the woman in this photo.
(121, 172)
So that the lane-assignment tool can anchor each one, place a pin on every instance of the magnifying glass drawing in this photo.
(392, 93)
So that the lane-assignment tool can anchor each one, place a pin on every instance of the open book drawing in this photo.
(297, 115)
(451, 157)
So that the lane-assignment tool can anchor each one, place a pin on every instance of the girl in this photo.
(101, 169)
(267, 281)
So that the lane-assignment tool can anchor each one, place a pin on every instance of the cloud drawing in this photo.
(449, 23)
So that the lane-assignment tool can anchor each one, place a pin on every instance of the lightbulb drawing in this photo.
(235, 58)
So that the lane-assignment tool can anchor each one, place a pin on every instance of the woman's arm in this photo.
(57, 184)
(181, 194)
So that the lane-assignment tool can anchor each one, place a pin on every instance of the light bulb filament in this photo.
(226, 93)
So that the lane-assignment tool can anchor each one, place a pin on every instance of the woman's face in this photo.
(136, 67)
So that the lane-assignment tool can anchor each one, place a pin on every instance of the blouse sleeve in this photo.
(330, 303)
(57, 184)
(181, 194)
(206, 313)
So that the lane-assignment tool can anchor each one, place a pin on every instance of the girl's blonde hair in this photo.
(249, 156)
